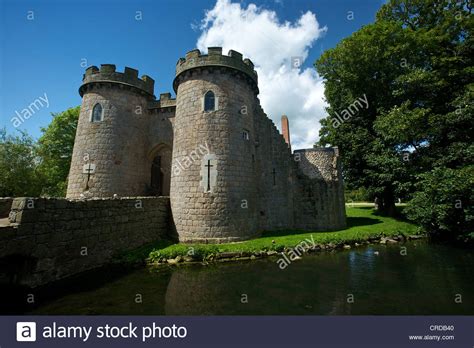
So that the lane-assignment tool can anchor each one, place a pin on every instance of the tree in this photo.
(18, 174)
(55, 150)
(414, 64)
(365, 65)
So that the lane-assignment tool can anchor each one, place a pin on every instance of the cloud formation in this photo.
(274, 47)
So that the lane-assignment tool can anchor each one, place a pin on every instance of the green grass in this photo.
(363, 224)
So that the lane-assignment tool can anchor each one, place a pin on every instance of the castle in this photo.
(228, 171)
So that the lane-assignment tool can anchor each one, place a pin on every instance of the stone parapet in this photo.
(164, 102)
(234, 60)
(107, 74)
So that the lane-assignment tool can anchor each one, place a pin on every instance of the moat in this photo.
(374, 279)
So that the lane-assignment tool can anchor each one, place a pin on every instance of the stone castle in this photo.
(228, 171)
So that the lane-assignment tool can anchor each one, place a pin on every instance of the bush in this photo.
(18, 169)
(443, 203)
(358, 195)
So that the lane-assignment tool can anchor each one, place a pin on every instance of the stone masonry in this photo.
(51, 239)
(228, 171)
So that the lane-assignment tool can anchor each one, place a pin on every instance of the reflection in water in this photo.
(361, 266)
(425, 281)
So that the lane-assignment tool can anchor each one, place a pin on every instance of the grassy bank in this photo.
(363, 225)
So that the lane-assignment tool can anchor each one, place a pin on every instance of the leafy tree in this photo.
(55, 150)
(366, 64)
(414, 64)
(438, 111)
(18, 174)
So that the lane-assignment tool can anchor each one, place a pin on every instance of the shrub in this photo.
(443, 203)
(357, 195)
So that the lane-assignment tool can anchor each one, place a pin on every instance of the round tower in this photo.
(109, 155)
(213, 180)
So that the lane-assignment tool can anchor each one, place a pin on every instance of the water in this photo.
(426, 282)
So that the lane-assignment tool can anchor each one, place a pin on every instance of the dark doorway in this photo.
(160, 178)
(156, 177)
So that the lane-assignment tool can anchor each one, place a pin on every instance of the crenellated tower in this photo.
(109, 155)
(213, 180)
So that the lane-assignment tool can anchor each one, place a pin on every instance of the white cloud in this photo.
(271, 45)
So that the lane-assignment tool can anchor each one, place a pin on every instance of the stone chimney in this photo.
(285, 128)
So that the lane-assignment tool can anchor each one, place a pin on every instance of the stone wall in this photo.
(275, 191)
(62, 237)
(319, 189)
(160, 128)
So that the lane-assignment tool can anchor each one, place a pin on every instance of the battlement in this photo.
(107, 73)
(165, 101)
(234, 60)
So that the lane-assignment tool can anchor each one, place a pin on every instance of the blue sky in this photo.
(48, 54)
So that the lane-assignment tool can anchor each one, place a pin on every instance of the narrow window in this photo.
(209, 101)
(245, 134)
(96, 113)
